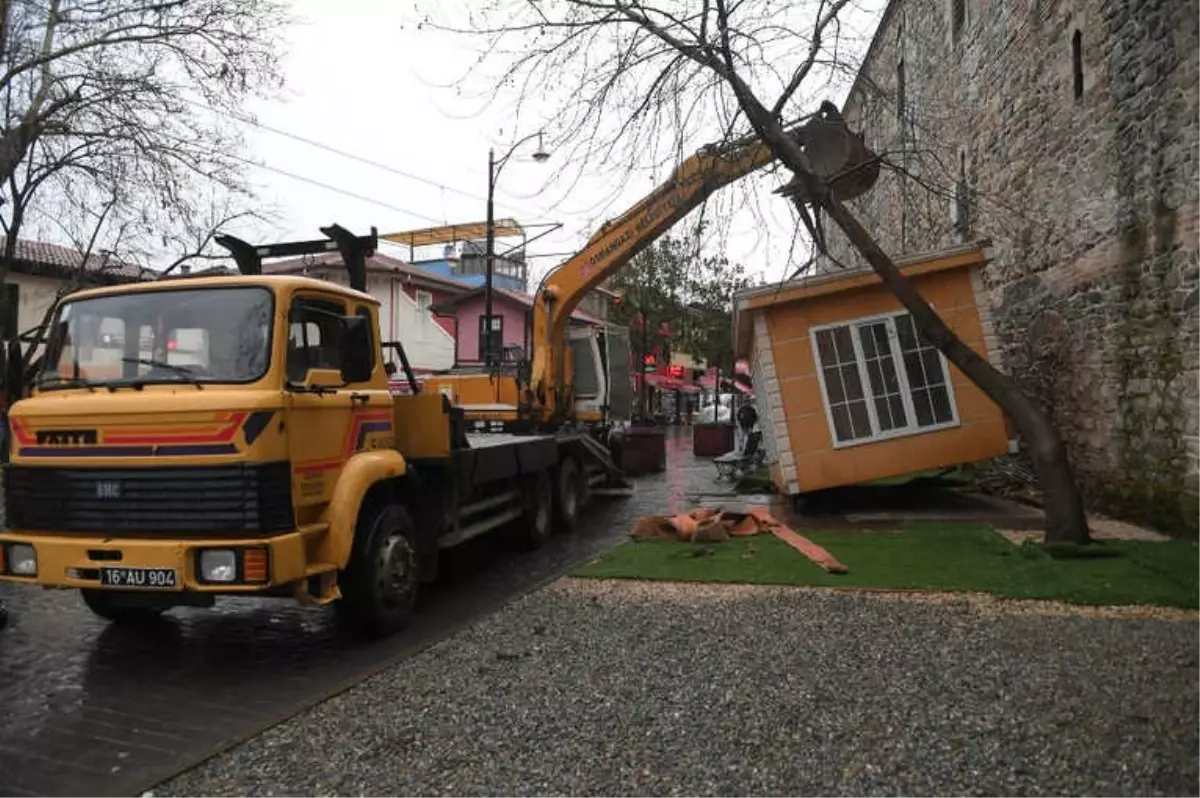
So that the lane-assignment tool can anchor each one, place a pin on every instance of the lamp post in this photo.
(494, 167)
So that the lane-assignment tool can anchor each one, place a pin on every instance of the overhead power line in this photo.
(336, 189)
(337, 151)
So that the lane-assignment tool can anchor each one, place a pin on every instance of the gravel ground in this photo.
(657, 689)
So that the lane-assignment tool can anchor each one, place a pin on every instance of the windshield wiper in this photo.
(48, 381)
(182, 371)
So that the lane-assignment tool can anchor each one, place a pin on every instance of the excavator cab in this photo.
(602, 377)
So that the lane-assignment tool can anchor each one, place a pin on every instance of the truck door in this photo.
(328, 422)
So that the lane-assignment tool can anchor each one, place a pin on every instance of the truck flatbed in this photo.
(484, 440)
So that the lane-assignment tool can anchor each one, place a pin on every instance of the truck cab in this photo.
(196, 437)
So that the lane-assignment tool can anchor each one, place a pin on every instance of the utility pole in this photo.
(489, 351)
(489, 354)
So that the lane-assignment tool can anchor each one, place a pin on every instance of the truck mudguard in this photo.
(361, 471)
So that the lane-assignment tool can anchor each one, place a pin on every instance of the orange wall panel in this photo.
(920, 452)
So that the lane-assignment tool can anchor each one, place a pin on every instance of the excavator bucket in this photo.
(838, 156)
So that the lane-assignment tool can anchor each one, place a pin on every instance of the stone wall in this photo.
(1066, 132)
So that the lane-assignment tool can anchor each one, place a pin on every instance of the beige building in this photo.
(40, 272)
(1066, 132)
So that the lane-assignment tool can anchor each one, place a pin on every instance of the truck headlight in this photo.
(218, 565)
(22, 560)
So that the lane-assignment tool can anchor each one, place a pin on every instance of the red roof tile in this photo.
(38, 257)
(377, 263)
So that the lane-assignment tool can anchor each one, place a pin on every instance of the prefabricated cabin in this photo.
(847, 392)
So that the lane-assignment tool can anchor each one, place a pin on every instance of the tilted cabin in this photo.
(848, 393)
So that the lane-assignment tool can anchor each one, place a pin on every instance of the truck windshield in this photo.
(201, 335)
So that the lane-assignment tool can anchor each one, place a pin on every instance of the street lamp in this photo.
(494, 168)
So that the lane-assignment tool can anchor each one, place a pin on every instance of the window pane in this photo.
(912, 367)
(884, 414)
(841, 422)
(923, 408)
(825, 348)
(899, 416)
(853, 383)
(891, 382)
(867, 339)
(833, 386)
(209, 335)
(941, 404)
(845, 346)
(906, 333)
(933, 366)
(881, 338)
(861, 419)
(876, 377)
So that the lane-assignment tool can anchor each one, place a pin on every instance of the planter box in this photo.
(712, 440)
(644, 450)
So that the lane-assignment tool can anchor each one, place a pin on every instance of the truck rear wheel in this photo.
(379, 584)
(568, 499)
(119, 607)
(536, 525)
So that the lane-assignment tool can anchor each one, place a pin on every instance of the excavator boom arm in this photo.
(561, 291)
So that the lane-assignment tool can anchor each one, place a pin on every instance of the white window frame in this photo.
(864, 377)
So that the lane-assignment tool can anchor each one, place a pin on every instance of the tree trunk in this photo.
(1065, 516)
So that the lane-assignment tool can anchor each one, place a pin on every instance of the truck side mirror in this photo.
(358, 359)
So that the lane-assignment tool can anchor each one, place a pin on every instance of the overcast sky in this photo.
(363, 79)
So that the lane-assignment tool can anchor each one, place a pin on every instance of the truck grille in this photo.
(199, 500)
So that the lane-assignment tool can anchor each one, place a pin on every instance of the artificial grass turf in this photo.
(927, 556)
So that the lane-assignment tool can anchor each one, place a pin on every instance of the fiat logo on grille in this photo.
(108, 489)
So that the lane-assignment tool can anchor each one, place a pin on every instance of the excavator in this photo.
(578, 378)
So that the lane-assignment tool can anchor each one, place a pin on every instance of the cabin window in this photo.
(497, 337)
(880, 379)
(424, 303)
(1077, 63)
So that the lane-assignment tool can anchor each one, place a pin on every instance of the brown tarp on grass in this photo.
(712, 525)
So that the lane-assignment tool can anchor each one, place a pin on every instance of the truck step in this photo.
(319, 585)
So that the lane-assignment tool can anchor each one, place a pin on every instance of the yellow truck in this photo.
(201, 437)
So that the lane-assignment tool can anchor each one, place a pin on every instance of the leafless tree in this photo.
(117, 110)
(636, 76)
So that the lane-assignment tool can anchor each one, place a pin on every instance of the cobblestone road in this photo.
(99, 710)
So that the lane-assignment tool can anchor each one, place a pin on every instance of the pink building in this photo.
(512, 311)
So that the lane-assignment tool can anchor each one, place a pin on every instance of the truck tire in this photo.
(119, 607)
(534, 528)
(379, 584)
(568, 495)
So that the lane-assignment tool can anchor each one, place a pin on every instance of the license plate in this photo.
(149, 578)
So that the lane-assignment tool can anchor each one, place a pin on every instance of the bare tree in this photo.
(122, 106)
(636, 73)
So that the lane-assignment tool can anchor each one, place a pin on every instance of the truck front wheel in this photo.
(120, 607)
(379, 584)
